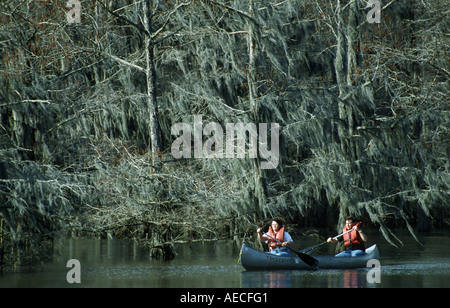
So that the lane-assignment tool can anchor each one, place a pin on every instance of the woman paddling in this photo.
(277, 238)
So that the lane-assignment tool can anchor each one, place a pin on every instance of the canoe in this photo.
(252, 259)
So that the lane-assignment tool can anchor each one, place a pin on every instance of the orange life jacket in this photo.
(351, 237)
(279, 236)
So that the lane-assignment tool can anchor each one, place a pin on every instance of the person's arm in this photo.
(288, 239)
(261, 237)
(361, 234)
(332, 240)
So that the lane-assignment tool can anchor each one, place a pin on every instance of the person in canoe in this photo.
(277, 238)
(353, 240)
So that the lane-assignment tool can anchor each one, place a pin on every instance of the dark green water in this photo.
(119, 263)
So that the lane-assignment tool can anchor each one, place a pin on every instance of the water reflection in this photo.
(352, 278)
(349, 278)
(266, 279)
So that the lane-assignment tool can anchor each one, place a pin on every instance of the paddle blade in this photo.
(311, 261)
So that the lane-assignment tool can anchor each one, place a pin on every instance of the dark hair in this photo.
(350, 218)
(278, 221)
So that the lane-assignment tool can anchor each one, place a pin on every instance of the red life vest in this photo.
(351, 237)
(279, 236)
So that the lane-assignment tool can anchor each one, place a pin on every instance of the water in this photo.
(120, 263)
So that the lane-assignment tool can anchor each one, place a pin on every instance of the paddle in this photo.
(304, 257)
(312, 248)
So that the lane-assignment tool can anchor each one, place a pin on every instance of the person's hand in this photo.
(259, 230)
(329, 240)
(355, 227)
(284, 244)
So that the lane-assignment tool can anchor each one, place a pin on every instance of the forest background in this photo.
(87, 106)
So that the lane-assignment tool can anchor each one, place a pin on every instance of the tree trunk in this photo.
(340, 79)
(252, 53)
(259, 193)
(155, 135)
